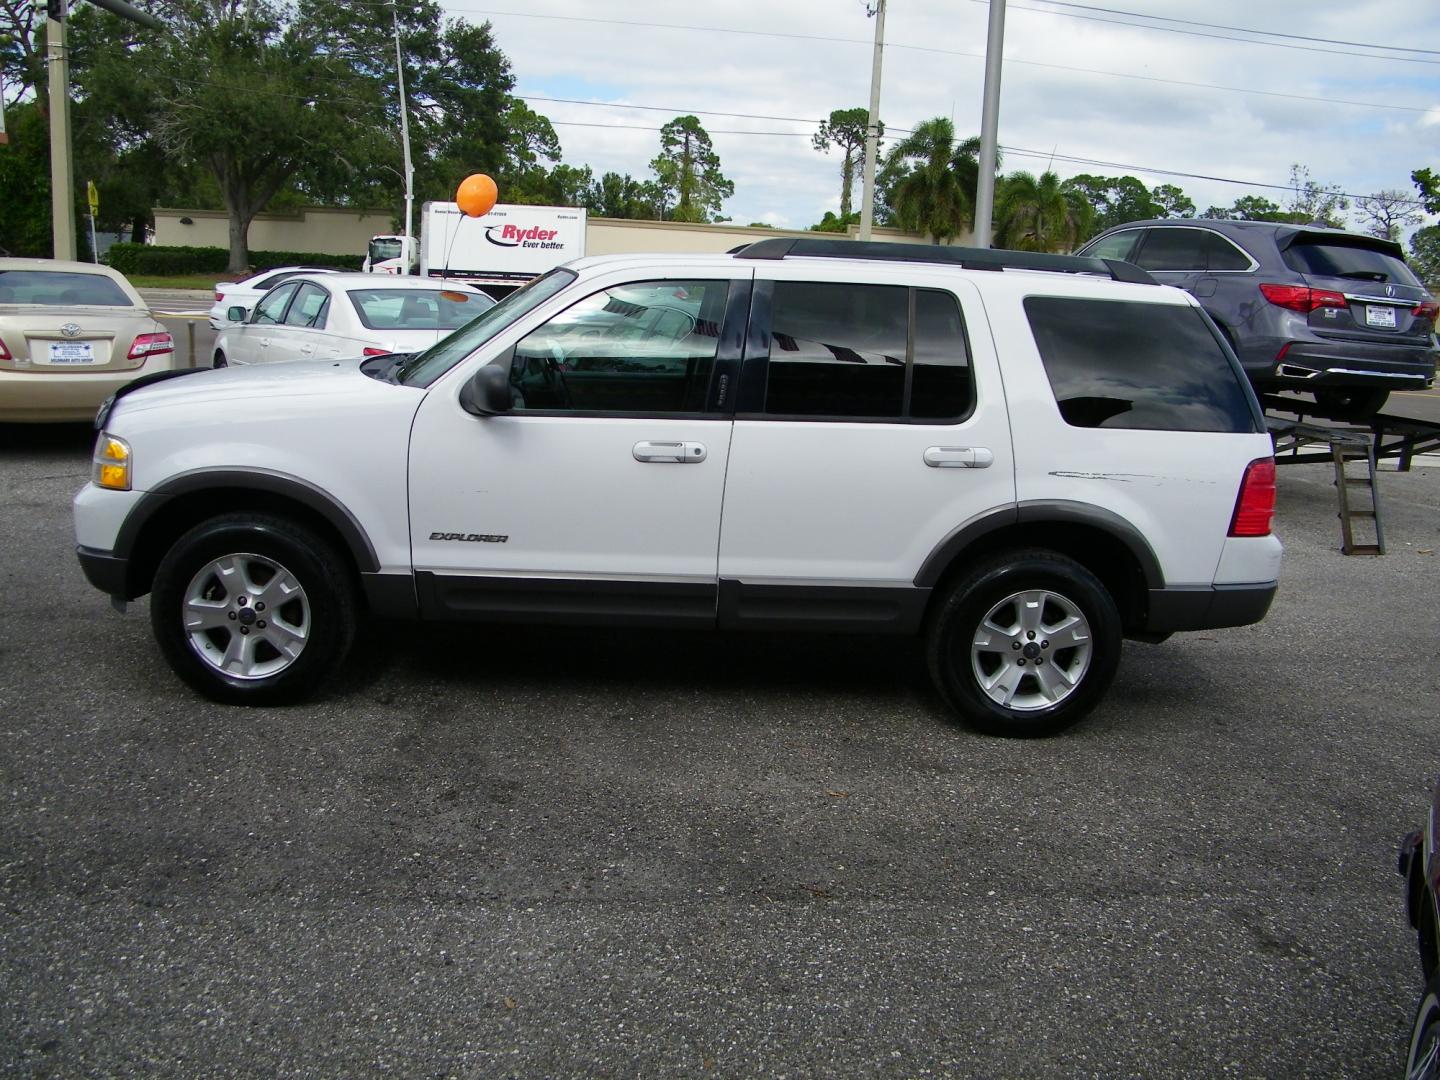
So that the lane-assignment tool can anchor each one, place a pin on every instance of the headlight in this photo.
(111, 463)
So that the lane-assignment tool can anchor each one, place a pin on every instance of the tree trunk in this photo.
(239, 237)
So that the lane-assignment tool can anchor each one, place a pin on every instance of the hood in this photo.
(263, 390)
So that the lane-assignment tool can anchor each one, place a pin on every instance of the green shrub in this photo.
(152, 260)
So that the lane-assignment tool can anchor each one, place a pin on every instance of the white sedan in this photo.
(246, 291)
(322, 317)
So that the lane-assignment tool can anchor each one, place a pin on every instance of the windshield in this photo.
(424, 368)
(384, 247)
(53, 288)
(418, 309)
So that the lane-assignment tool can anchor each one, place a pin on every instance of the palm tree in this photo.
(1036, 215)
(928, 196)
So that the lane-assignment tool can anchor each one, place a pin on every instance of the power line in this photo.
(1242, 29)
(1219, 37)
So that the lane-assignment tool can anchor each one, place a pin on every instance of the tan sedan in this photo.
(71, 334)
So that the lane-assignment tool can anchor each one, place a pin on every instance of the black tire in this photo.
(219, 360)
(322, 612)
(1078, 672)
(1422, 1060)
(1358, 406)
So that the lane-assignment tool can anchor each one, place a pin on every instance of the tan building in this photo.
(328, 231)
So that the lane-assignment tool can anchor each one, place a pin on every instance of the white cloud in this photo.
(1136, 122)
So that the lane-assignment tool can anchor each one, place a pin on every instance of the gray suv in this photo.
(1334, 314)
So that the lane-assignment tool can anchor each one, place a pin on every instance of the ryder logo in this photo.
(517, 236)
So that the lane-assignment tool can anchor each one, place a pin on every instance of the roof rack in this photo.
(782, 247)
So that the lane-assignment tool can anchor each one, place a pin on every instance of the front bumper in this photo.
(1210, 607)
(107, 572)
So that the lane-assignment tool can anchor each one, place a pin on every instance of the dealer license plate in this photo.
(72, 352)
(1381, 316)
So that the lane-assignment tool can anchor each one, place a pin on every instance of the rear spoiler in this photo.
(1340, 239)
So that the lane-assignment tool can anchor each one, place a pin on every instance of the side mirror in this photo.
(488, 392)
(236, 314)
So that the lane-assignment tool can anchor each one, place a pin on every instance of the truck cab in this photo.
(391, 254)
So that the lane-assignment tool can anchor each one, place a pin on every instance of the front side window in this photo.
(1128, 364)
(869, 352)
(309, 307)
(271, 307)
(1119, 245)
(646, 347)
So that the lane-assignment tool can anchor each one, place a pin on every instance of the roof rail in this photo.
(782, 247)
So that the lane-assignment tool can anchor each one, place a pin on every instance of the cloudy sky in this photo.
(1208, 96)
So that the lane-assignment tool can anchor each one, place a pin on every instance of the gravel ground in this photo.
(502, 852)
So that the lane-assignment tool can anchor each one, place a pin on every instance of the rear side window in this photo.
(55, 288)
(1177, 249)
(868, 352)
(1331, 258)
(1121, 364)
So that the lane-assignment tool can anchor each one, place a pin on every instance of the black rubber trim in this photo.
(391, 596)
(204, 480)
(1208, 607)
(579, 601)
(107, 572)
(1030, 513)
(746, 605)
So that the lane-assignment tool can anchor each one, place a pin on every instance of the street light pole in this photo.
(989, 125)
(872, 127)
(404, 139)
(62, 177)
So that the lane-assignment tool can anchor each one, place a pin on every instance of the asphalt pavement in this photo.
(543, 852)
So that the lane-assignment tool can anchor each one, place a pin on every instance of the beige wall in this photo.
(347, 232)
(317, 229)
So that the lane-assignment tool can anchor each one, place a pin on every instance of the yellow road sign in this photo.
(92, 195)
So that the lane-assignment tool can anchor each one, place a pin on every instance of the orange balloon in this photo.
(476, 195)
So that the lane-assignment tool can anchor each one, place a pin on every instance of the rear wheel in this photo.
(1356, 405)
(253, 609)
(1025, 644)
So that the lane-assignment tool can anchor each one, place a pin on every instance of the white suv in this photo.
(1022, 457)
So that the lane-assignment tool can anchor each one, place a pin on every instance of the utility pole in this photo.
(989, 124)
(404, 138)
(872, 127)
(62, 177)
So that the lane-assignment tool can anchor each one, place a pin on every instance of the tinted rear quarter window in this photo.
(1335, 258)
(1123, 364)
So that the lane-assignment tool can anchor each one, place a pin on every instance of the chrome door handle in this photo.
(679, 453)
(958, 457)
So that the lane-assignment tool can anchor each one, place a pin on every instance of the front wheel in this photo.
(253, 609)
(219, 361)
(1025, 644)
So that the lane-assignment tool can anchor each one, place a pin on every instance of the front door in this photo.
(598, 496)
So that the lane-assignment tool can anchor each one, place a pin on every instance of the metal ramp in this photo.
(1344, 447)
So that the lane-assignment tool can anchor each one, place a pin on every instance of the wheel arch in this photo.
(164, 514)
(1103, 542)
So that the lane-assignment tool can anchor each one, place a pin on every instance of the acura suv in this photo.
(1334, 314)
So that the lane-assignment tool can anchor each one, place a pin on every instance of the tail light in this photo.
(150, 345)
(1255, 505)
(1427, 310)
(219, 296)
(4, 352)
(1302, 298)
(377, 352)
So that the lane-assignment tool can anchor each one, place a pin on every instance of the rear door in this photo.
(871, 423)
(1381, 292)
